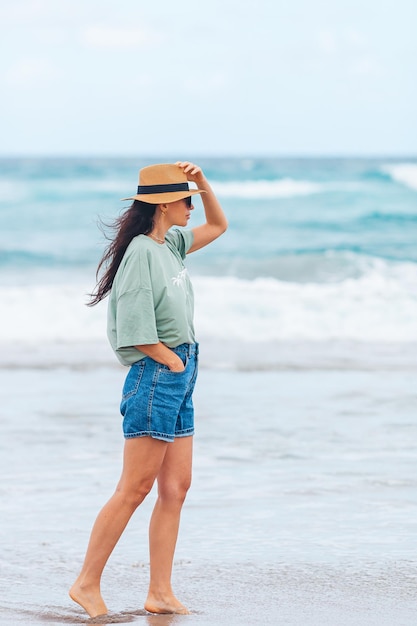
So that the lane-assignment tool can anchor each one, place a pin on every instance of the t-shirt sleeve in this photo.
(136, 319)
(135, 310)
(182, 240)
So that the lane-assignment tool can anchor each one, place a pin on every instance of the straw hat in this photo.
(162, 183)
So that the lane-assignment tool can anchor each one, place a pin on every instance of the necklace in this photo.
(157, 238)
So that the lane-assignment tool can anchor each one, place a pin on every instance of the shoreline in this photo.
(226, 355)
(359, 594)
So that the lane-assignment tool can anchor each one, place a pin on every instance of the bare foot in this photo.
(89, 598)
(158, 603)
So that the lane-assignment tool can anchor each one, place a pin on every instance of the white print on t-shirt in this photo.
(179, 280)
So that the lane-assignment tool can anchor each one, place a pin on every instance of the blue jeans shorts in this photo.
(158, 403)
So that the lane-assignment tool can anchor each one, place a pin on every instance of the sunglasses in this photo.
(188, 202)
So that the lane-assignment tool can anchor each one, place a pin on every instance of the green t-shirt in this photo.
(151, 299)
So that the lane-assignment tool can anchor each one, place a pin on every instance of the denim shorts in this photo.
(158, 403)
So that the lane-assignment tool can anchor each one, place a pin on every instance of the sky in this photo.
(208, 77)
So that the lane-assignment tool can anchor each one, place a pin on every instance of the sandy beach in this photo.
(302, 509)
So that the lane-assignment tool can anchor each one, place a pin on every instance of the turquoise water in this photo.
(332, 241)
(277, 208)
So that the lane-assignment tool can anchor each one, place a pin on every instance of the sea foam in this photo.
(282, 188)
(379, 305)
(405, 173)
(279, 188)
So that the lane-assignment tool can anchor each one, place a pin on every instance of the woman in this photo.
(150, 327)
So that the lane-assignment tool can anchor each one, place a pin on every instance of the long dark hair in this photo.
(136, 220)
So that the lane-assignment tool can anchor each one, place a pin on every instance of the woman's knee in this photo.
(174, 492)
(134, 495)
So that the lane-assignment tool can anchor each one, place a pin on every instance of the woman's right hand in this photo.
(162, 354)
(178, 366)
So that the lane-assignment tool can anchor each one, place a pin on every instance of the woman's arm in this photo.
(216, 222)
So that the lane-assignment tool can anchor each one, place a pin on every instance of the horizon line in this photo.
(170, 155)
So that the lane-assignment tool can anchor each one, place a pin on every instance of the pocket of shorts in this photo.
(133, 379)
(165, 368)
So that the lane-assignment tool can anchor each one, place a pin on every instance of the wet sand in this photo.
(303, 509)
(300, 595)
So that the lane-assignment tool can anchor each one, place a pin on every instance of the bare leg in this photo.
(174, 480)
(142, 461)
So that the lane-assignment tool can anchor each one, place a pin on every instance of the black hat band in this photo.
(144, 189)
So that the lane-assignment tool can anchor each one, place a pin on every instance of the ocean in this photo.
(317, 250)
(303, 508)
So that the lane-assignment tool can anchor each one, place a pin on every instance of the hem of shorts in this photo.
(185, 433)
(162, 436)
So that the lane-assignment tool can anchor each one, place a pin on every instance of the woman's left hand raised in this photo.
(193, 172)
